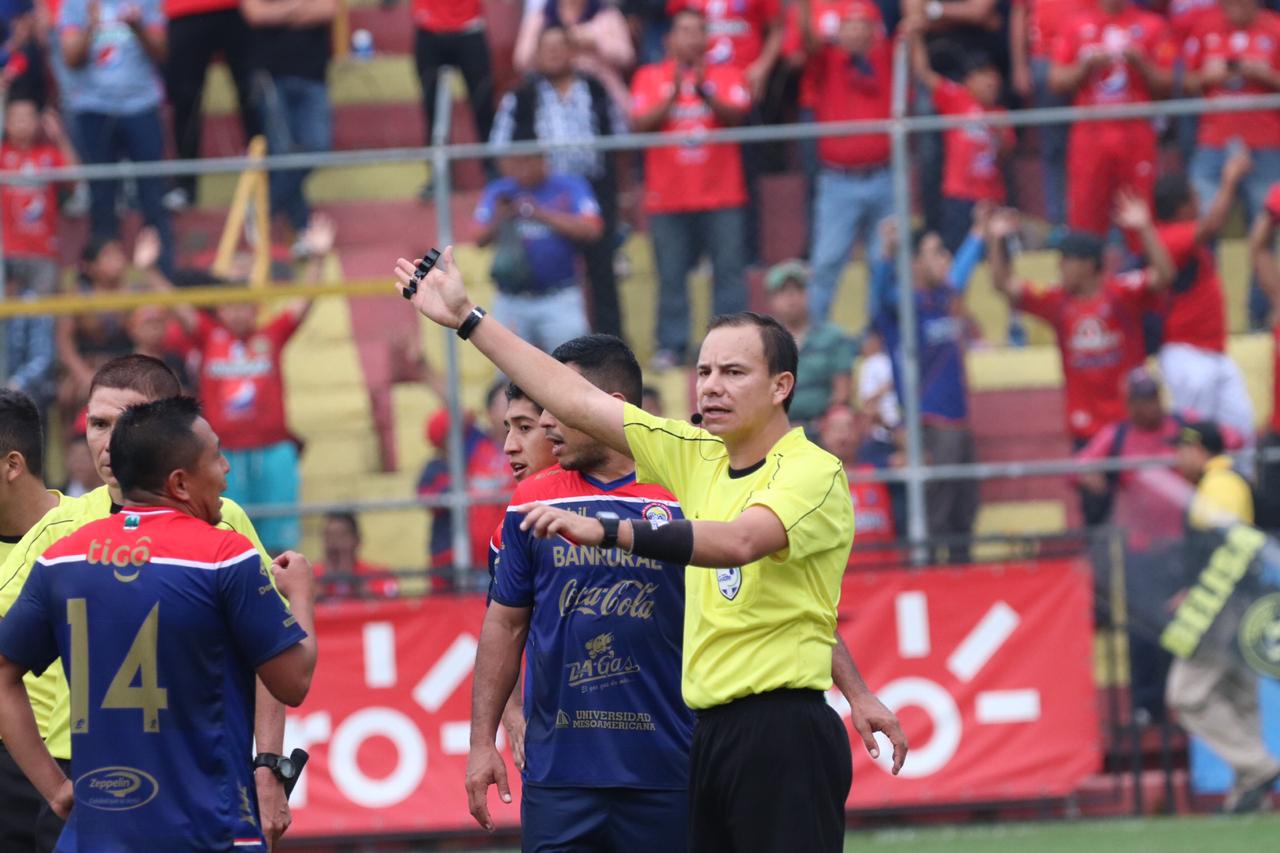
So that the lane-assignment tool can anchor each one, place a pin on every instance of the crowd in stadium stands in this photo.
(1134, 207)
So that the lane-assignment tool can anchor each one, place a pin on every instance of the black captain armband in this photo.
(670, 542)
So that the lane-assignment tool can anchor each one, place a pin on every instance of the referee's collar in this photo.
(735, 473)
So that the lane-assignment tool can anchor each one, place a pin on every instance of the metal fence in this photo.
(915, 474)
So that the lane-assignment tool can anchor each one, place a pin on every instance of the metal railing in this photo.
(900, 126)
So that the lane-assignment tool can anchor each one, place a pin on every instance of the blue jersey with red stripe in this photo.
(160, 621)
(602, 660)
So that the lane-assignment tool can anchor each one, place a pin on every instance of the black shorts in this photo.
(770, 772)
(19, 806)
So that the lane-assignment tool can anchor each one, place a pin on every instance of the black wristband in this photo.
(671, 542)
(469, 325)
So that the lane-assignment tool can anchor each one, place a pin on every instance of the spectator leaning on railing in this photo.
(694, 192)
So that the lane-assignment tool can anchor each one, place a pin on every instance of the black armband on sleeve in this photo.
(670, 543)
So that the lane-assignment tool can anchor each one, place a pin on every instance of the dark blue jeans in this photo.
(679, 240)
(138, 137)
(297, 117)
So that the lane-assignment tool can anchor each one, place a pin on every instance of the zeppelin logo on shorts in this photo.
(729, 581)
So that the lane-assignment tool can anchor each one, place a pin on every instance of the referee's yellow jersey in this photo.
(50, 697)
(769, 624)
(7, 544)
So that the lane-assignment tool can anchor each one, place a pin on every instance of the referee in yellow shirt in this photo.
(771, 527)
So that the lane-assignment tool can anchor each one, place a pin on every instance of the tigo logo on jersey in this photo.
(116, 789)
(729, 581)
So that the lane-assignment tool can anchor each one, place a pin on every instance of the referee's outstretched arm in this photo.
(442, 298)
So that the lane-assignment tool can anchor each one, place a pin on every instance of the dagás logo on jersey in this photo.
(116, 789)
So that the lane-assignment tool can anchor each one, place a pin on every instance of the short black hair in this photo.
(1084, 245)
(607, 361)
(499, 386)
(780, 351)
(20, 429)
(515, 392)
(152, 440)
(1172, 191)
(347, 518)
(148, 376)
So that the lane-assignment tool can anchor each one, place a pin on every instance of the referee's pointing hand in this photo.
(441, 295)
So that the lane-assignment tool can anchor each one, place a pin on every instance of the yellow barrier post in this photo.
(342, 31)
(252, 187)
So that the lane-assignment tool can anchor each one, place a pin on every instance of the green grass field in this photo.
(1256, 834)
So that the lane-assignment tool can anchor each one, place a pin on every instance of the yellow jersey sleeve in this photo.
(809, 493)
(235, 518)
(44, 690)
(668, 452)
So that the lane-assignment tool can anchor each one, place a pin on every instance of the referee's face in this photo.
(105, 407)
(736, 394)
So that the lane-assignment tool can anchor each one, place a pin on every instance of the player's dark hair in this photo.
(20, 429)
(148, 376)
(780, 351)
(515, 392)
(607, 361)
(1172, 191)
(347, 518)
(152, 440)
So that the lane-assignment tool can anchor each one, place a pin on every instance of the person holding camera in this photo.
(537, 221)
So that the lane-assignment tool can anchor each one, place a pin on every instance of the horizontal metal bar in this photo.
(202, 296)
(635, 141)
(976, 471)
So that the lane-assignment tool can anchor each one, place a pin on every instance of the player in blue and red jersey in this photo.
(161, 621)
(608, 734)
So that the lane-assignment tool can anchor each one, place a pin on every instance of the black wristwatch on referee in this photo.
(281, 766)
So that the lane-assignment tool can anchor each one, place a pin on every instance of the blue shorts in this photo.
(267, 475)
(599, 820)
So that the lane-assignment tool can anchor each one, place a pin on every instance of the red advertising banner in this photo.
(989, 669)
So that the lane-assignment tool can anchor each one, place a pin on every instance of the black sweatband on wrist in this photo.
(472, 320)
(671, 542)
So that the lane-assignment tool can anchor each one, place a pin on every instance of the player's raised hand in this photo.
(484, 768)
(441, 294)
(294, 577)
(546, 521)
(869, 715)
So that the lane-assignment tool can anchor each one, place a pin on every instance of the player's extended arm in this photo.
(502, 639)
(22, 738)
(867, 713)
(442, 298)
(999, 264)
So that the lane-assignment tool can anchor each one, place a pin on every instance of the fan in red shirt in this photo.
(812, 25)
(973, 153)
(1201, 378)
(852, 79)
(1097, 317)
(746, 34)
(343, 573)
(30, 213)
(694, 192)
(841, 433)
(1115, 54)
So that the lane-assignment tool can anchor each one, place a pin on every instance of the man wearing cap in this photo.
(1145, 505)
(1097, 317)
(1213, 691)
(826, 352)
